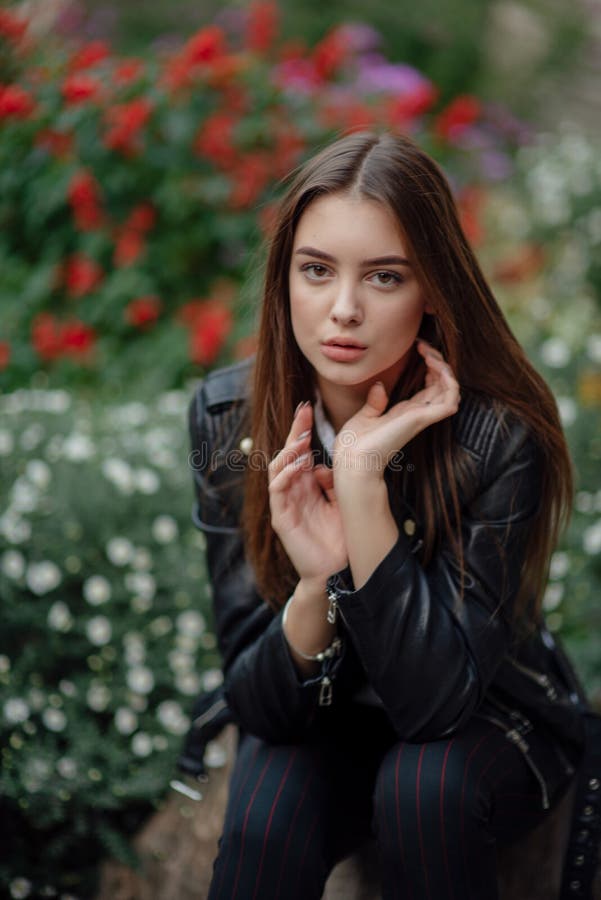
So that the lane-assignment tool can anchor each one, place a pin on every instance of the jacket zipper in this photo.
(209, 714)
(538, 677)
(513, 735)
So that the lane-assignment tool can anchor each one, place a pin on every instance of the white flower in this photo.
(135, 649)
(146, 481)
(141, 604)
(98, 696)
(584, 502)
(59, 617)
(164, 529)
(119, 473)
(173, 403)
(553, 596)
(119, 551)
(23, 496)
(180, 661)
(555, 353)
(160, 742)
(141, 583)
(215, 755)
(187, 683)
(140, 680)
(138, 702)
(164, 459)
(39, 473)
(15, 529)
(591, 539)
(4, 664)
(13, 564)
(161, 626)
(560, 564)
(96, 590)
(568, 410)
(99, 631)
(42, 577)
(132, 415)
(172, 718)
(191, 623)
(141, 744)
(37, 699)
(16, 710)
(593, 345)
(54, 719)
(126, 721)
(211, 679)
(77, 447)
(66, 767)
(20, 888)
(142, 559)
(7, 442)
(67, 688)
(32, 436)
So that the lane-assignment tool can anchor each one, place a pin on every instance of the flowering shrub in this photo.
(133, 191)
(105, 638)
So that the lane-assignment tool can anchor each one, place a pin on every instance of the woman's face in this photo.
(355, 304)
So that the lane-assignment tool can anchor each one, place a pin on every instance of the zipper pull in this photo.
(333, 607)
(325, 692)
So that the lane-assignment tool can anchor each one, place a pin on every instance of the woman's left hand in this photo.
(371, 438)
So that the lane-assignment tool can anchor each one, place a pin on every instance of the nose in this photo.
(346, 308)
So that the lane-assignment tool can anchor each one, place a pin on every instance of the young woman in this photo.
(381, 489)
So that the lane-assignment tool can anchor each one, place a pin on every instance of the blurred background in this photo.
(141, 150)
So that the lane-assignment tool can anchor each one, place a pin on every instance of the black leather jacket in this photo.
(431, 662)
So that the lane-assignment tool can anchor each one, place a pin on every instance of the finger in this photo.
(283, 479)
(297, 442)
(376, 400)
(325, 479)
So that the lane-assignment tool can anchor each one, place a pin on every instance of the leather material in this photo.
(432, 659)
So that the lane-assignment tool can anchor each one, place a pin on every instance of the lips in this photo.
(344, 342)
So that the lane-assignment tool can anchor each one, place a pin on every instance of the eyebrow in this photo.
(376, 261)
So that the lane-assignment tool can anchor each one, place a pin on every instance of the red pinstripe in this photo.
(308, 780)
(398, 813)
(441, 817)
(252, 800)
(419, 817)
(270, 819)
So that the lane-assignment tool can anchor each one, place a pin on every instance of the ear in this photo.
(428, 308)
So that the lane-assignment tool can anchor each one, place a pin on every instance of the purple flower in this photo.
(376, 75)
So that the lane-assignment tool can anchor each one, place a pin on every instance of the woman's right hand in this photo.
(304, 509)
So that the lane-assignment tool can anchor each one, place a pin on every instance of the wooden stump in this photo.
(179, 843)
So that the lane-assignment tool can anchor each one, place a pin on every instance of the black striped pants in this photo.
(436, 809)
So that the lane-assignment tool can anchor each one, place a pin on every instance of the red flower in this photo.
(262, 26)
(215, 139)
(143, 312)
(15, 102)
(129, 247)
(46, 336)
(250, 176)
(77, 338)
(202, 53)
(524, 263)
(55, 142)
(129, 70)
(78, 88)
(84, 197)
(348, 116)
(402, 110)
(52, 339)
(4, 354)
(142, 218)
(462, 112)
(89, 55)
(205, 46)
(12, 27)
(126, 121)
(82, 275)
(469, 204)
(210, 322)
(329, 54)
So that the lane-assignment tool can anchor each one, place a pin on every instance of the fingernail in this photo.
(302, 436)
(298, 408)
(301, 459)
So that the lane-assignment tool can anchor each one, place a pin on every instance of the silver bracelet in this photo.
(329, 651)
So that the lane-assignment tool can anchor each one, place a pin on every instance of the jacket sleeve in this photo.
(261, 683)
(428, 652)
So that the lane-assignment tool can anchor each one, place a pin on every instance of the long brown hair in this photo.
(466, 325)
